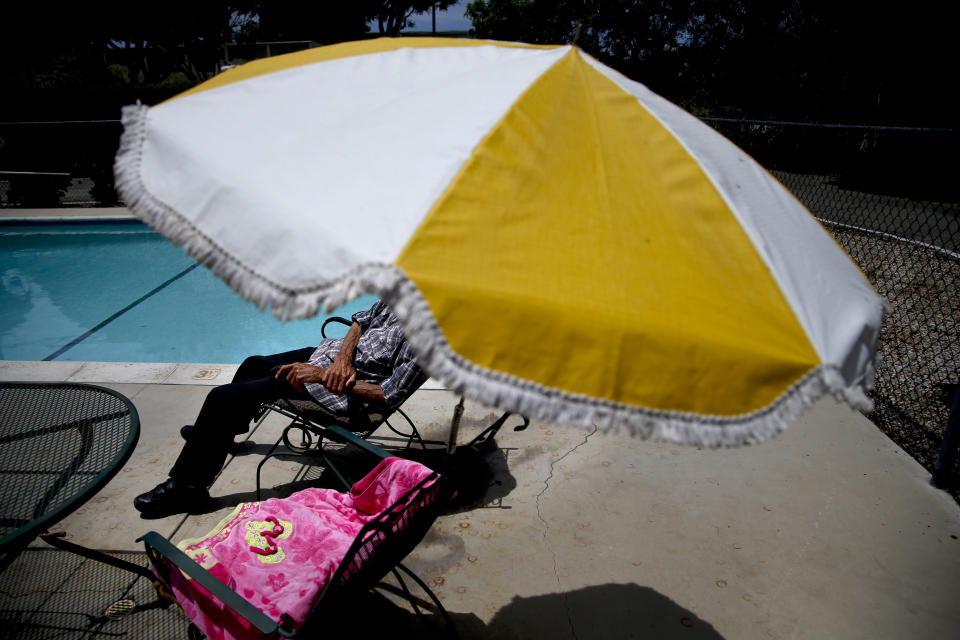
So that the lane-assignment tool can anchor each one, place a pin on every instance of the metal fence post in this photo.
(943, 470)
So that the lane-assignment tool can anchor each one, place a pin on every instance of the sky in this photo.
(453, 19)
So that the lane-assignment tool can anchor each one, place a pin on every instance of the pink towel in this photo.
(280, 554)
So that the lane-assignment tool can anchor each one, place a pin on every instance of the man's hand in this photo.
(341, 376)
(336, 378)
(301, 373)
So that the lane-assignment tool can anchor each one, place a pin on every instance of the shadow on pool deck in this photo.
(829, 530)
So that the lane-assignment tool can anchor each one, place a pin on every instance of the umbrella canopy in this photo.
(556, 239)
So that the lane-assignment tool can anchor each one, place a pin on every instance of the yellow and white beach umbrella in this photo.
(556, 239)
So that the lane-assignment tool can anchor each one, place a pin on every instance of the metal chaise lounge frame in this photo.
(312, 421)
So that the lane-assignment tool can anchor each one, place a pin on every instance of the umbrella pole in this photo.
(455, 427)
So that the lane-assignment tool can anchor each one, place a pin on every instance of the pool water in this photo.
(120, 292)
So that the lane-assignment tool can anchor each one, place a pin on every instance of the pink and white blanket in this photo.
(280, 554)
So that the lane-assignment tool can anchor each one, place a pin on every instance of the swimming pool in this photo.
(117, 291)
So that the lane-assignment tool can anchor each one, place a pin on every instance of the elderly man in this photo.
(372, 363)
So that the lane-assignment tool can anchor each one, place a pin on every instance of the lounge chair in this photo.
(304, 435)
(301, 557)
(309, 421)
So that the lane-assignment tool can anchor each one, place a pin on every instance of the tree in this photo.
(153, 40)
(322, 22)
(641, 39)
(392, 16)
(527, 20)
(813, 60)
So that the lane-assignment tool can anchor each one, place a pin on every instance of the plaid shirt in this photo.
(383, 357)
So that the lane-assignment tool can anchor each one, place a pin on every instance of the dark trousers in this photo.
(228, 410)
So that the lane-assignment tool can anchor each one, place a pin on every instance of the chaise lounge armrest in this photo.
(157, 546)
(335, 432)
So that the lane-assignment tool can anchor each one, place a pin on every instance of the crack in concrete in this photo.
(546, 525)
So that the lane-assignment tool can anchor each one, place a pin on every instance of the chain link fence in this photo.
(889, 195)
(58, 164)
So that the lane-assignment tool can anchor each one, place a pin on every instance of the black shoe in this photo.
(235, 448)
(169, 498)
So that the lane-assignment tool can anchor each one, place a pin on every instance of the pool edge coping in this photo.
(170, 373)
(167, 373)
(64, 214)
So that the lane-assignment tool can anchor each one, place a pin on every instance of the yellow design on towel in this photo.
(254, 538)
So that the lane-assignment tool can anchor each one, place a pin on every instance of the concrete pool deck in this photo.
(828, 531)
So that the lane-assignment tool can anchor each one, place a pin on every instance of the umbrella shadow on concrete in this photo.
(601, 611)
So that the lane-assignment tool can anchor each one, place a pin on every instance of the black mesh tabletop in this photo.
(59, 445)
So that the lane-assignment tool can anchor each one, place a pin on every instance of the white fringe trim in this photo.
(434, 353)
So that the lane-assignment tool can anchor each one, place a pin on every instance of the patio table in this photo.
(60, 443)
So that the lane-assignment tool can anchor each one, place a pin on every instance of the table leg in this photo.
(56, 540)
